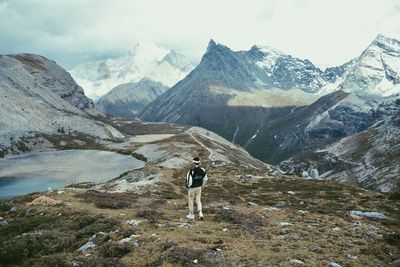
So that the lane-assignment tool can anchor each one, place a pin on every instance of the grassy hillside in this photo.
(266, 219)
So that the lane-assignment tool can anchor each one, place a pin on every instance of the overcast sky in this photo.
(328, 32)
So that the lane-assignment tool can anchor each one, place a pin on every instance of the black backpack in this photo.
(197, 176)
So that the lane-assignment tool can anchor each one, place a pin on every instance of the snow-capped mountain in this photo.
(128, 99)
(262, 81)
(377, 70)
(261, 76)
(261, 98)
(145, 60)
(38, 96)
(264, 76)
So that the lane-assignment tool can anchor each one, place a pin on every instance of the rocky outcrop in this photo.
(38, 97)
(46, 73)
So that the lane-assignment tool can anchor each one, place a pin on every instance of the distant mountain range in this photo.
(341, 121)
(145, 60)
(266, 77)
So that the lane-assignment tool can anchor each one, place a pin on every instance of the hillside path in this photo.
(204, 146)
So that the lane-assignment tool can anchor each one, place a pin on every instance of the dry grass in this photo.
(293, 219)
(30, 62)
(138, 128)
(105, 200)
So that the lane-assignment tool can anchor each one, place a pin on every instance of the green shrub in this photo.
(394, 196)
(152, 216)
(392, 239)
(23, 225)
(51, 261)
(80, 221)
(139, 156)
(112, 250)
(248, 221)
(28, 246)
(180, 256)
(4, 206)
(105, 200)
(22, 146)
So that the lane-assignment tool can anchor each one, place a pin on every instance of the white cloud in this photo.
(327, 32)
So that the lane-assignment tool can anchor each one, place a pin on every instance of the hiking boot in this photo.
(201, 216)
(190, 216)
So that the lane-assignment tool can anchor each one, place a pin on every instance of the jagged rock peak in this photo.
(212, 46)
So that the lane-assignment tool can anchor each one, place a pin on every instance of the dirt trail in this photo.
(201, 144)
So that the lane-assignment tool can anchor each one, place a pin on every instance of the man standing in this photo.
(196, 178)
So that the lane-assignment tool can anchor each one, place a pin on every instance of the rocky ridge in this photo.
(38, 97)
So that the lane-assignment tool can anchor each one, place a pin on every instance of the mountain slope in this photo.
(146, 60)
(372, 156)
(127, 100)
(226, 81)
(225, 77)
(251, 96)
(368, 158)
(328, 119)
(236, 93)
(38, 96)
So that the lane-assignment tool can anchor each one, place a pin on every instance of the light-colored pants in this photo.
(194, 193)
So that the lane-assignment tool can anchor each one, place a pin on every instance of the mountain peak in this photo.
(381, 37)
(376, 71)
(385, 42)
(177, 60)
(146, 59)
(212, 45)
(145, 52)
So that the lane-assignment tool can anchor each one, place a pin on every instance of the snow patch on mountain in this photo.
(355, 103)
(269, 58)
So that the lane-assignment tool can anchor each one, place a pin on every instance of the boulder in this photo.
(3, 221)
(86, 247)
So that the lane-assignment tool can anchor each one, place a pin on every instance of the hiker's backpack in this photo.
(197, 177)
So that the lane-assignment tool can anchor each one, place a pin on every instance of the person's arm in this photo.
(189, 179)
(205, 178)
